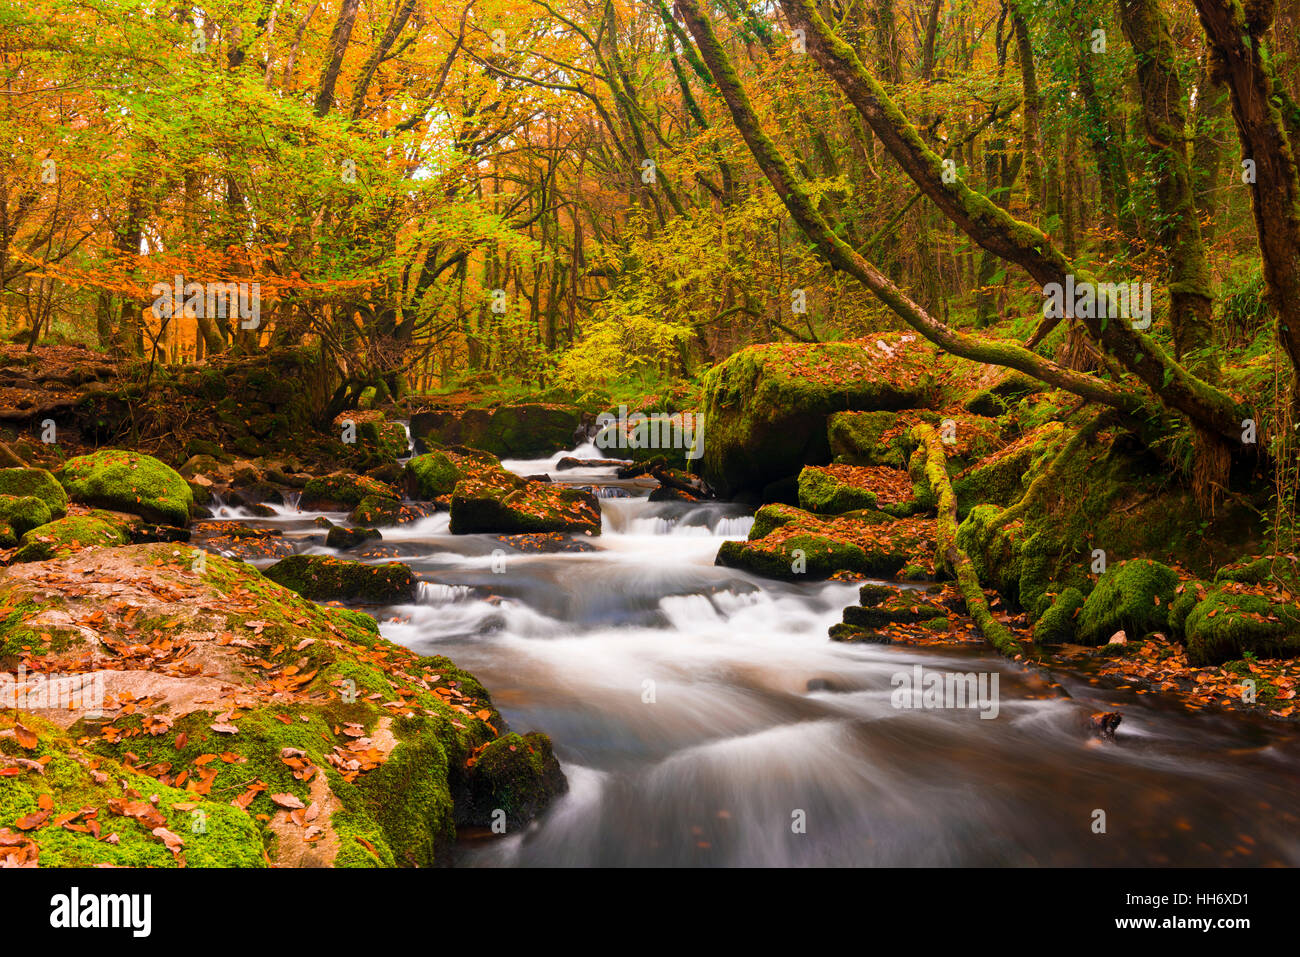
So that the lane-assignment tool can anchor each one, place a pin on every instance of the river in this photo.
(703, 718)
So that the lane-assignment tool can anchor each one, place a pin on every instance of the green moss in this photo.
(128, 482)
(517, 774)
(322, 578)
(499, 502)
(67, 535)
(1183, 605)
(771, 517)
(766, 407)
(1227, 624)
(432, 475)
(857, 438)
(1134, 596)
(1001, 479)
(215, 833)
(374, 511)
(342, 491)
(21, 482)
(1057, 625)
(903, 607)
(821, 492)
(23, 513)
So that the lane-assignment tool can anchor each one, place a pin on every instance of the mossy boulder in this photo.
(21, 482)
(324, 578)
(824, 493)
(904, 607)
(109, 827)
(23, 513)
(61, 538)
(1057, 625)
(373, 433)
(1134, 596)
(342, 491)
(432, 475)
(766, 407)
(1002, 477)
(789, 543)
(869, 438)
(516, 774)
(376, 511)
(994, 400)
(499, 502)
(526, 430)
(128, 482)
(1229, 622)
(303, 737)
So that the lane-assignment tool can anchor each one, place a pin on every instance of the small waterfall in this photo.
(436, 593)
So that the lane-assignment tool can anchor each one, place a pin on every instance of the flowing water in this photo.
(703, 717)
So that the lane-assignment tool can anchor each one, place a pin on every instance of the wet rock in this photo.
(344, 538)
(569, 462)
(1102, 724)
(324, 578)
(342, 491)
(500, 502)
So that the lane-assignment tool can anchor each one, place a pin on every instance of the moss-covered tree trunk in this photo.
(1275, 190)
(1165, 120)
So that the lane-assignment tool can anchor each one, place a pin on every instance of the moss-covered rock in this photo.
(1001, 478)
(128, 482)
(324, 578)
(23, 513)
(905, 607)
(516, 774)
(375, 511)
(342, 491)
(824, 493)
(105, 825)
(61, 538)
(869, 438)
(304, 738)
(765, 407)
(1133, 596)
(1230, 622)
(499, 502)
(994, 400)
(792, 544)
(509, 431)
(432, 475)
(1057, 625)
(21, 482)
(343, 538)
